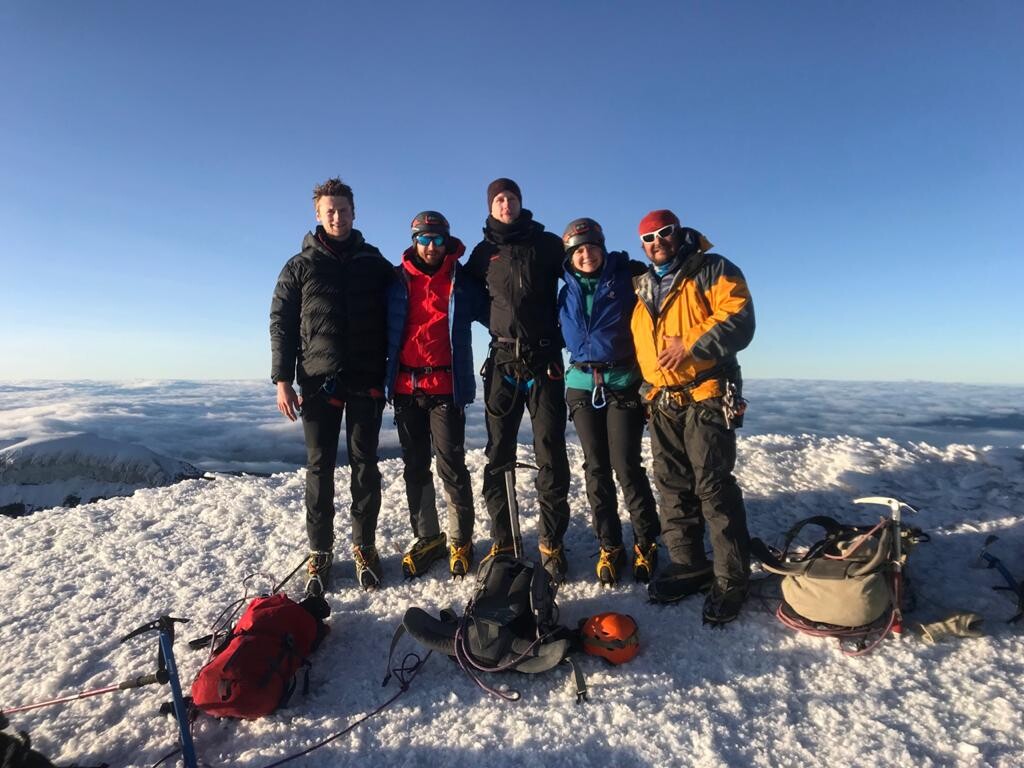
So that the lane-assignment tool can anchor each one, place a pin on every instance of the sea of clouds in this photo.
(234, 426)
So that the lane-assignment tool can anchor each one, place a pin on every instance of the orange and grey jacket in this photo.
(704, 300)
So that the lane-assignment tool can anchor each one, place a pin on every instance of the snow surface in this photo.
(751, 694)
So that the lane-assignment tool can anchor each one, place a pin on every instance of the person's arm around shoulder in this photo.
(473, 275)
(480, 260)
(555, 255)
(636, 268)
(397, 319)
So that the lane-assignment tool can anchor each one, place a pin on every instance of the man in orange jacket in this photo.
(692, 316)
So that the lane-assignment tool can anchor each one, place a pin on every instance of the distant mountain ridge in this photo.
(41, 472)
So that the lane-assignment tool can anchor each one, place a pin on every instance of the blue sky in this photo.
(861, 162)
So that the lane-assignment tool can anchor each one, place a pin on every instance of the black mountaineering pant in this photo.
(505, 402)
(426, 421)
(694, 457)
(611, 438)
(321, 425)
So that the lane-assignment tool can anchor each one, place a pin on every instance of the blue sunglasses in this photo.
(437, 240)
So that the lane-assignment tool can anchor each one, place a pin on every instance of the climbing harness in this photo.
(425, 370)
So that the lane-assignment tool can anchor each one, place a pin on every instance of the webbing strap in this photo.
(589, 366)
(424, 369)
(391, 651)
(613, 645)
(578, 679)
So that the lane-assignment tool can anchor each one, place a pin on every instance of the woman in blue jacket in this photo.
(602, 391)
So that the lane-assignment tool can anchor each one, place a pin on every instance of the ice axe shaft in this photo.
(513, 511)
(509, 470)
(165, 626)
(895, 509)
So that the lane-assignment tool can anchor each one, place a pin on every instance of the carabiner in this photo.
(598, 398)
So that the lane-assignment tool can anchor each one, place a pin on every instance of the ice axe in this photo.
(165, 660)
(987, 560)
(896, 508)
(166, 673)
(513, 506)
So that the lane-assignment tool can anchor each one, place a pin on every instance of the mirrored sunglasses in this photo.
(664, 233)
(437, 240)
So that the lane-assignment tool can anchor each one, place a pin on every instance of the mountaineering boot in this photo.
(611, 562)
(367, 566)
(552, 560)
(422, 553)
(724, 601)
(645, 561)
(318, 573)
(460, 557)
(679, 581)
(499, 549)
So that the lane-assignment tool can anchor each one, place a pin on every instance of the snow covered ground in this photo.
(751, 694)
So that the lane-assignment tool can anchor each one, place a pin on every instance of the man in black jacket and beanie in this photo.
(328, 331)
(521, 265)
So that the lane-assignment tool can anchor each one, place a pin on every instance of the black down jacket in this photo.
(329, 314)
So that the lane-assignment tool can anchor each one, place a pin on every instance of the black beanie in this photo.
(498, 186)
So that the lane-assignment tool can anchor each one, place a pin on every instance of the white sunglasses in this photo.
(664, 233)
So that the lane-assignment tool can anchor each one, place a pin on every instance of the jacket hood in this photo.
(612, 260)
(456, 248)
(691, 253)
(521, 229)
(317, 240)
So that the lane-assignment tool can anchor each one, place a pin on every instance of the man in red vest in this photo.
(431, 307)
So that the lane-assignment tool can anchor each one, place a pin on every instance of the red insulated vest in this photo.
(426, 341)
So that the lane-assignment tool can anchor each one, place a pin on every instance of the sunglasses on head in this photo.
(437, 240)
(664, 233)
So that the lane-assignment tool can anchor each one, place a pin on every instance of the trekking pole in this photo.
(287, 578)
(895, 508)
(160, 678)
(513, 505)
(165, 661)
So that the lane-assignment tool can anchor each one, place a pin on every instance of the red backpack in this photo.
(253, 672)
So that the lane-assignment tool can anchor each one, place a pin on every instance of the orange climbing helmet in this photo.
(612, 636)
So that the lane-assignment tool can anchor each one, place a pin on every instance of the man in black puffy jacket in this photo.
(328, 331)
(521, 265)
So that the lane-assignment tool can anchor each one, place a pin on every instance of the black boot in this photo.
(724, 601)
(552, 559)
(423, 552)
(678, 581)
(611, 562)
(645, 561)
(367, 567)
(318, 573)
